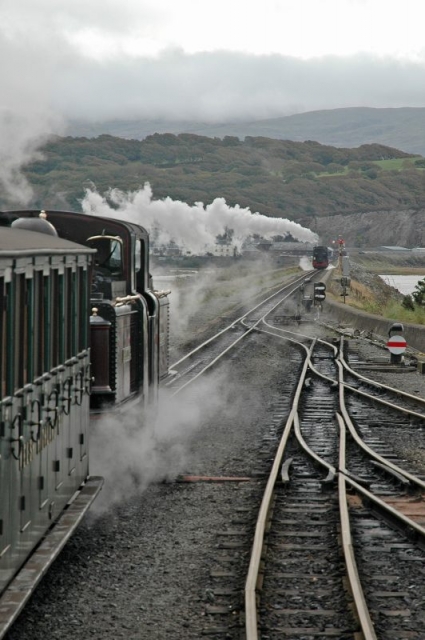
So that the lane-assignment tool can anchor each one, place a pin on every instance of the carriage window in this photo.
(9, 333)
(57, 322)
(115, 260)
(21, 339)
(74, 328)
(83, 308)
(138, 256)
(3, 339)
(47, 324)
(67, 301)
(30, 314)
(141, 276)
(38, 323)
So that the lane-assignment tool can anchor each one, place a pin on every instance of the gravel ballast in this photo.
(140, 567)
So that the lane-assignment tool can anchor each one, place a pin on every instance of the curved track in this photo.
(195, 363)
(296, 584)
(328, 430)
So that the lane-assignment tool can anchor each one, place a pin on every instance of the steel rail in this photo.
(361, 443)
(212, 363)
(378, 385)
(362, 610)
(344, 477)
(332, 472)
(333, 348)
(294, 284)
(387, 403)
(251, 623)
(291, 286)
(393, 514)
(305, 336)
(399, 392)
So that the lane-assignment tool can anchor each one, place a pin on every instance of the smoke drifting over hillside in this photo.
(193, 227)
(21, 135)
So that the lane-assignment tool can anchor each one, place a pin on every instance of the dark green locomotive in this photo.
(82, 332)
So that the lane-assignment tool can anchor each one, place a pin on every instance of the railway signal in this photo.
(397, 345)
(396, 342)
(319, 291)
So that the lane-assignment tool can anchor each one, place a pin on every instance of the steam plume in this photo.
(132, 450)
(193, 227)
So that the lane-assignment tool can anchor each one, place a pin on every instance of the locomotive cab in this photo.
(108, 254)
(108, 274)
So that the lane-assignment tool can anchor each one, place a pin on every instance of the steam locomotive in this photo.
(320, 257)
(82, 332)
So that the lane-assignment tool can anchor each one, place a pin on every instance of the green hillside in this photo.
(295, 180)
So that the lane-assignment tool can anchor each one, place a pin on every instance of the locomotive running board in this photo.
(22, 586)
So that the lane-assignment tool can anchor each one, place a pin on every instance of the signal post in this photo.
(319, 293)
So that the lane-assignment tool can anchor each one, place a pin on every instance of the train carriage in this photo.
(82, 332)
(45, 386)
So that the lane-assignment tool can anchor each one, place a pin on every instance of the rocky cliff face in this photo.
(375, 228)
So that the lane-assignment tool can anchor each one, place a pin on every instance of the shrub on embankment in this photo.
(369, 293)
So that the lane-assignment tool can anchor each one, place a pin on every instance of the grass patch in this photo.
(392, 265)
(395, 311)
(395, 164)
(361, 297)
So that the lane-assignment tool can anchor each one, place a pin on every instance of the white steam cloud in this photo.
(132, 450)
(305, 264)
(193, 227)
(21, 135)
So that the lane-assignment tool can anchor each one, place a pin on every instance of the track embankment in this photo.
(379, 326)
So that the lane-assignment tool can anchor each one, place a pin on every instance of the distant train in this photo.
(82, 332)
(320, 257)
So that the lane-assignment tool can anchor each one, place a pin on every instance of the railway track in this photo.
(201, 359)
(324, 498)
(336, 492)
(328, 555)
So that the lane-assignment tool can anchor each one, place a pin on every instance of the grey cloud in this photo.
(227, 86)
(45, 72)
(45, 81)
(43, 20)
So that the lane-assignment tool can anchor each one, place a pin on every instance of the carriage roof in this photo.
(14, 242)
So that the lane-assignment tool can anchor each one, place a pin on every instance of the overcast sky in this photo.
(211, 61)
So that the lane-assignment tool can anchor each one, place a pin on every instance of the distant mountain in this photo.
(402, 128)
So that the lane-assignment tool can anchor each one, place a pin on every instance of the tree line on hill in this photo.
(278, 178)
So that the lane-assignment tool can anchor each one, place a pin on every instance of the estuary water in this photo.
(405, 284)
